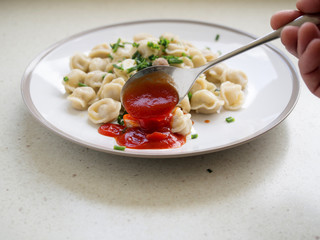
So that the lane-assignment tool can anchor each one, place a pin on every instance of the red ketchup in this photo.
(149, 103)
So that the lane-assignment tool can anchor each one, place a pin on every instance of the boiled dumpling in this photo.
(107, 79)
(204, 101)
(124, 52)
(101, 51)
(237, 77)
(197, 57)
(186, 63)
(104, 111)
(94, 79)
(175, 49)
(187, 45)
(209, 55)
(211, 87)
(148, 47)
(80, 61)
(202, 83)
(72, 80)
(232, 95)
(82, 97)
(181, 123)
(185, 104)
(217, 74)
(171, 37)
(199, 84)
(99, 64)
(112, 89)
(142, 36)
(123, 69)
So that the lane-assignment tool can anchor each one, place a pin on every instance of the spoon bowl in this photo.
(183, 79)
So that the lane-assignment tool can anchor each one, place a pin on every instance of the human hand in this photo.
(303, 42)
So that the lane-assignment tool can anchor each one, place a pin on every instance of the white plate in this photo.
(273, 88)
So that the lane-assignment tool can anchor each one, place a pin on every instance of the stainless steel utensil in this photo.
(183, 79)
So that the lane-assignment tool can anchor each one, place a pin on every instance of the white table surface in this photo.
(50, 188)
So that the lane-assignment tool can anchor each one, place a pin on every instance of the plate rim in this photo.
(26, 95)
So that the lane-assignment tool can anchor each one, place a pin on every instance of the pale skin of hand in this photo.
(303, 42)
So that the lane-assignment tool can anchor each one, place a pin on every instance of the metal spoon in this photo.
(183, 79)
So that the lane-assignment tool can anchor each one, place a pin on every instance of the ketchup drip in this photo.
(149, 103)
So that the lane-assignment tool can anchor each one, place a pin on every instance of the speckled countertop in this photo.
(50, 188)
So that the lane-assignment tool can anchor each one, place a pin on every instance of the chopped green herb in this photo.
(217, 37)
(194, 136)
(164, 42)
(120, 118)
(110, 71)
(103, 76)
(136, 55)
(110, 56)
(140, 61)
(120, 148)
(185, 55)
(135, 44)
(173, 60)
(116, 45)
(153, 57)
(66, 79)
(219, 52)
(129, 70)
(118, 67)
(230, 119)
(153, 45)
(82, 85)
(208, 48)
(217, 90)
(189, 95)
(143, 64)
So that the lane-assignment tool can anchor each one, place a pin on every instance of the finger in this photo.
(281, 18)
(289, 38)
(309, 61)
(312, 81)
(308, 6)
(307, 32)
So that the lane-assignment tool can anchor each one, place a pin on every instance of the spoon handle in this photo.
(313, 18)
